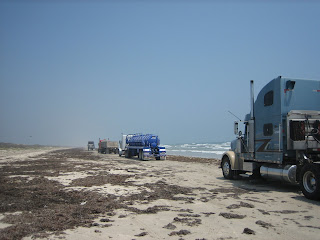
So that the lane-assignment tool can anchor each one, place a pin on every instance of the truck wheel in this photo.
(310, 181)
(226, 168)
(142, 156)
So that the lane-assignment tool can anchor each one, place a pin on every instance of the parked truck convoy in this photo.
(106, 146)
(142, 145)
(281, 139)
(91, 145)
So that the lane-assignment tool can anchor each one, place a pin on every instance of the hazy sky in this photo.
(73, 71)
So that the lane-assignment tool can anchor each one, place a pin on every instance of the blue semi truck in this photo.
(281, 138)
(145, 146)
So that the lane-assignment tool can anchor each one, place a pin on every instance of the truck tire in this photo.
(227, 172)
(310, 181)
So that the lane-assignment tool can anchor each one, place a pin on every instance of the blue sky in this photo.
(73, 71)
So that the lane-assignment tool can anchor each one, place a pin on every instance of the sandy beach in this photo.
(57, 193)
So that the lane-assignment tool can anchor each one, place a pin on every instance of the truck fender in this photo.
(232, 157)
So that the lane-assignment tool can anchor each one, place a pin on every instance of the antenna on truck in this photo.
(235, 116)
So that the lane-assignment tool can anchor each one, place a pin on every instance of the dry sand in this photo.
(75, 194)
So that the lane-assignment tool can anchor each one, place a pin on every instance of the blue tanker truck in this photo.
(281, 138)
(145, 146)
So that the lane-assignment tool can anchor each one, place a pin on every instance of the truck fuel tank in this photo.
(288, 173)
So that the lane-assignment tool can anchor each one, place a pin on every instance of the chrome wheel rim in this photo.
(309, 182)
(226, 168)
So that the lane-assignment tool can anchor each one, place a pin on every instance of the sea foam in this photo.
(205, 150)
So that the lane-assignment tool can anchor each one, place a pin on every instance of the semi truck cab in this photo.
(281, 139)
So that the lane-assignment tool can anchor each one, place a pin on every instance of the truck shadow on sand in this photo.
(267, 185)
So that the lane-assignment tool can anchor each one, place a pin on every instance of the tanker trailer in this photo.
(144, 146)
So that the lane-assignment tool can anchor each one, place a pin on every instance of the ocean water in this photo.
(204, 150)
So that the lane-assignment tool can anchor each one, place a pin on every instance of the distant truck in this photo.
(282, 136)
(91, 145)
(107, 147)
(145, 146)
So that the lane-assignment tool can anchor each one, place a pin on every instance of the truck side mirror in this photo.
(236, 128)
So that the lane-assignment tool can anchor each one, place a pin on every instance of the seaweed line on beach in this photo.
(46, 206)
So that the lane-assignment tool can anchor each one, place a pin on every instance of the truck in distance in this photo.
(145, 146)
(281, 139)
(91, 145)
(107, 147)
